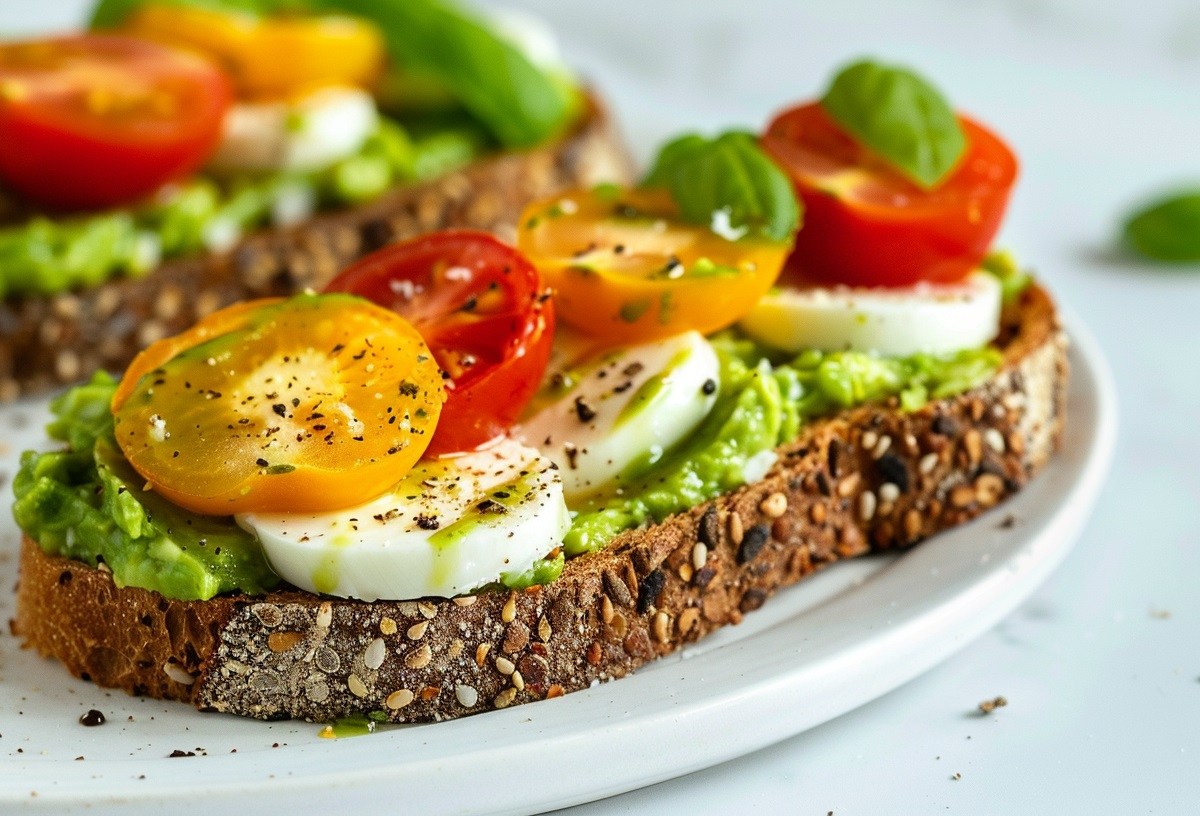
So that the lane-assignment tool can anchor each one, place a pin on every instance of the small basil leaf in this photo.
(899, 116)
(518, 102)
(1168, 229)
(728, 184)
(671, 155)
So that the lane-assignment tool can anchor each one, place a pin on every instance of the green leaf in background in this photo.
(1168, 229)
(728, 183)
(521, 104)
(899, 116)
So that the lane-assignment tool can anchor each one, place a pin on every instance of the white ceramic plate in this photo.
(815, 651)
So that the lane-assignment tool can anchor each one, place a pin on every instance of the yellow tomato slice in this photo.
(313, 403)
(625, 268)
(270, 57)
(224, 321)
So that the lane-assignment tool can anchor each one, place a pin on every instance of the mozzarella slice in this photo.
(928, 318)
(453, 524)
(625, 410)
(307, 134)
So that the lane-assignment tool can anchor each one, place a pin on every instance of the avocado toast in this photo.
(462, 507)
(300, 181)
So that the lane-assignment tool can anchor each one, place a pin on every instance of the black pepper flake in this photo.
(261, 462)
(92, 718)
(427, 522)
(649, 590)
(893, 470)
(708, 531)
(710, 387)
(493, 507)
(753, 542)
(177, 753)
(584, 411)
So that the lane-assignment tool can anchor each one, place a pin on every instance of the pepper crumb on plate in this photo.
(988, 706)
(92, 718)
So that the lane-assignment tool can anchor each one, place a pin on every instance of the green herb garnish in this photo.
(899, 116)
(729, 184)
(1167, 229)
(520, 103)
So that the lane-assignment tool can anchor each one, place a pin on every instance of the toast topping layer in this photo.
(87, 503)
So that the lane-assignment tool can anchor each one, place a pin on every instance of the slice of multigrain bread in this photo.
(873, 478)
(48, 341)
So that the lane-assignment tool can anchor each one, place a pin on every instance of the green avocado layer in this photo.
(87, 503)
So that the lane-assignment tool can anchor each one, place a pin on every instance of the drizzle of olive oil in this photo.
(356, 725)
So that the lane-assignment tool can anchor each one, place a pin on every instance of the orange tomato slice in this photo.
(625, 268)
(270, 57)
(314, 403)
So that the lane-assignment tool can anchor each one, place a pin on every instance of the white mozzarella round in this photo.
(625, 410)
(453, 524)
(307, 134)
(935, 319)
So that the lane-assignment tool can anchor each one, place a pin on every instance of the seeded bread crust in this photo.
(869, 479)
(49, 341)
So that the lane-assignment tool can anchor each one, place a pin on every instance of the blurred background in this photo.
(1102, 103)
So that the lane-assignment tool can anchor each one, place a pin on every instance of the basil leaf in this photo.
(671, 155)
(728, 184)
(899, 116)
(1168, 229)
(518, 102)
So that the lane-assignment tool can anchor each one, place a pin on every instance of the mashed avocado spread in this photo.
(87, 503)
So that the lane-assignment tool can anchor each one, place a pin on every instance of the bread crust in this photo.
(49, 341)
(294, 654)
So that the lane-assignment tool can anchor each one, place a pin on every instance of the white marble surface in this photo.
(1102, 667)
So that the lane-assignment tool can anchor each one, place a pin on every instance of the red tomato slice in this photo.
(96, 121)
(482, 310)
(865, 224)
